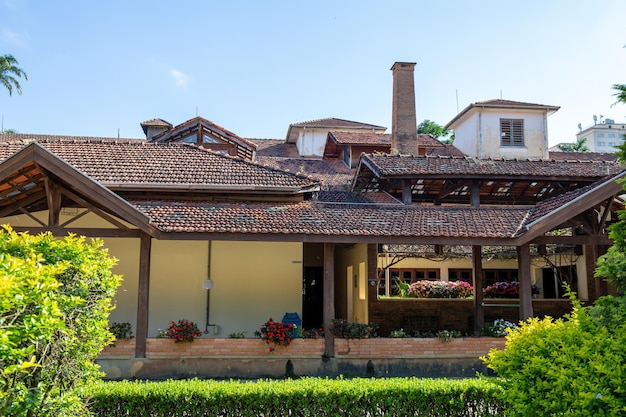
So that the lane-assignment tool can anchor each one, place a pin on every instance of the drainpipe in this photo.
(480, 133)
(208, 285)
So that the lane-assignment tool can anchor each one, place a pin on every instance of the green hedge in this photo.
(297, 397)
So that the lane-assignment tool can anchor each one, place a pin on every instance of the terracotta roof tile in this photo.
(275, 148)
(332, 219)
(357, 198)
(334, 122)
(332, 174)
(582, 156)
(173, 164)
(395, 165)
(372, 138)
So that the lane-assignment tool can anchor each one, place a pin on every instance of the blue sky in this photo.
(96, 68)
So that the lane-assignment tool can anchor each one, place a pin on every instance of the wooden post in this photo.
(143, 295)
(475, 194)
(479, 309)
(525, 284)
(407, 197)
(329, 297)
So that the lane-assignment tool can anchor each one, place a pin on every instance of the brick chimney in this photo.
(403, 118)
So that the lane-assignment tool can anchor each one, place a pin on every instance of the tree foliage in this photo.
(579, 146)
(620, 93)
(612, 265)
(10, 72)
(55, 300)
(437, 131)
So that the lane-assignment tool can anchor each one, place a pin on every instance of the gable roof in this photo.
(174, 167)
(27, 175)
(204, 128)
(500, 104)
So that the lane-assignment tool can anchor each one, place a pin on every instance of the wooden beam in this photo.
(525, 284)
(479, 309)
(80, 231)
(78, 199)
(143, 295)
(54, 197)
(40, 195)
(574, 240)
(329, 298)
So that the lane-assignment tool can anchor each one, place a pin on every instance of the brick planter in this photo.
(251, 358)
(303, 348)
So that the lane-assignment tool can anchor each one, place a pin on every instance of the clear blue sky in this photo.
(254, 67)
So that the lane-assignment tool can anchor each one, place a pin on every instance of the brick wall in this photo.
(301, 348)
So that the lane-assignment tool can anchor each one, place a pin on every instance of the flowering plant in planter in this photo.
(276, 333)
(183, 331)
(440, 289)
(505, 289)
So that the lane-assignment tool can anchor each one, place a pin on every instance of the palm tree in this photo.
(579, 146)
(620, 94)
(8, 73)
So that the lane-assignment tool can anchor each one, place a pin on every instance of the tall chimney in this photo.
(403, 118)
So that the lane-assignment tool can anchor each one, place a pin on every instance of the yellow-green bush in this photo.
(55, 299)
(574, 366)
(297, 397)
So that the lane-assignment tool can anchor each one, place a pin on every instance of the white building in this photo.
(603, 137)
(502, 129)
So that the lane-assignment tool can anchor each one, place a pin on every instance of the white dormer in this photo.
(502, 129)
(310, 137)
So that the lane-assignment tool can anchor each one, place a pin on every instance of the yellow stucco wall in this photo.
(349, 302)
(253, 282)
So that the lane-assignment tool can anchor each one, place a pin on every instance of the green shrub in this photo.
(499, 328)
(121, 330)
(298, 397)
(574, 366)
(55, 300)
(352, 330)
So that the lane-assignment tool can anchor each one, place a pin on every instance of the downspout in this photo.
(208, 285)
(480, 133)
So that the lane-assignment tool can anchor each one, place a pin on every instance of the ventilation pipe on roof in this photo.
(404, 119)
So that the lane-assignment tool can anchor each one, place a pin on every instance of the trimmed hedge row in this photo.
(297, 397)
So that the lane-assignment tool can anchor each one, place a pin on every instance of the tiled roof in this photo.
(582, 156)
(371, 138)
(275, 147)
(309, 218)
(500, 104)
(334, 122)
(356, 198)
(511, 103)
(175, 165)
(155, 122)
(395, 165)
(30, 137)
(360, 138)
(332, 174)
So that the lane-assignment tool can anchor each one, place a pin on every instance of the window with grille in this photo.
(512, 132)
